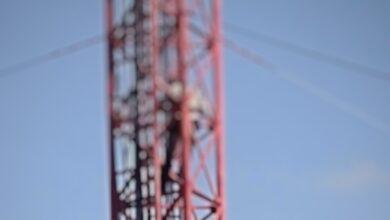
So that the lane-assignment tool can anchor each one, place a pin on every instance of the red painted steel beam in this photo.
(182, 51)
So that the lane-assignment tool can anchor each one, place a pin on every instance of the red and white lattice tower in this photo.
(164, 164)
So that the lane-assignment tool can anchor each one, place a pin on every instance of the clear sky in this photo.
(290, 153)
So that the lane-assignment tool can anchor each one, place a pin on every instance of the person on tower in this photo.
(198, 108)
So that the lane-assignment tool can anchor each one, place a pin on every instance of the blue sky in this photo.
(291, 154)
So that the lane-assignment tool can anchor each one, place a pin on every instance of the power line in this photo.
(51, 55)
(309, 53)
(311, 88)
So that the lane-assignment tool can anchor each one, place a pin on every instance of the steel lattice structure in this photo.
(150, 44)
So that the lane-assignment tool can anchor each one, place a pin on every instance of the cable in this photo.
(311, 88)
(54, 54)
(248, 54)
(310, 53)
